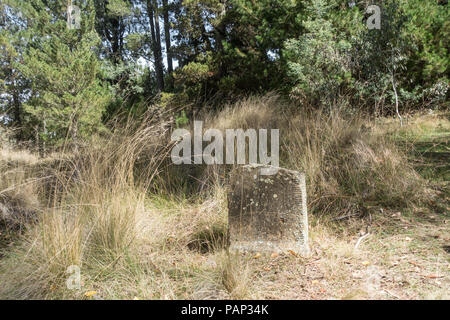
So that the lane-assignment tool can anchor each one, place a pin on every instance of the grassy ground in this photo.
(405, 255)
(133, 246)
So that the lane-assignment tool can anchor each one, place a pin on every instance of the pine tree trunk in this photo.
(156, 43)
(17, 112)
(219, 36)
(167, 36)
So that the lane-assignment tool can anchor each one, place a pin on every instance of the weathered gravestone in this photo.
(267, 213)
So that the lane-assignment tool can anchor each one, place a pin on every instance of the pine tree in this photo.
(67, 99)
(14, 87)
(317, 63)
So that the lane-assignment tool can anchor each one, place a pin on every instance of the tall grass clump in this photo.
(235, 274)
(350, 167)
(19, 184)
(90, 221)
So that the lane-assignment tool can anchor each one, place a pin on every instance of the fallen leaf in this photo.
(90, 293)
(365, 263)
(314, 282)
(293, 253)
(322, 290)
(432, 276)
(408, 239)
(267, 269)
(257, 256)
(274, 255)
(136, 298)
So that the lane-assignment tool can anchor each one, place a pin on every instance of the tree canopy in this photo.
(59, 83)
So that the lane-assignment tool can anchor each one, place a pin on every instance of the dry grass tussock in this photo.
(87, 210)
(18, 189)
(350, 164)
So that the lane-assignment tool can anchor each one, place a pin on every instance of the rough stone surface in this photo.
(267, 212)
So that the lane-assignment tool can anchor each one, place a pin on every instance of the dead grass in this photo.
(122, 217)
(350, 165)
(91, 222)
(18, 189)
(20, 157)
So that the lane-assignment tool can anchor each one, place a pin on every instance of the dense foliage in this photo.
(63, 84)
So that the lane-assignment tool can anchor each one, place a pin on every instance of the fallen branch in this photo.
(361, 239)
(393, 294)
(346, 216)
(396, 101)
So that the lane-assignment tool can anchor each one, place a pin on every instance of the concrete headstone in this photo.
(267, 213)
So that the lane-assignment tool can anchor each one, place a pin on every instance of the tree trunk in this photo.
(43, 149)
(396, 100)
(17, 114)
(116, 43)
(167, 36)
(219, 36)
(156, 42)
